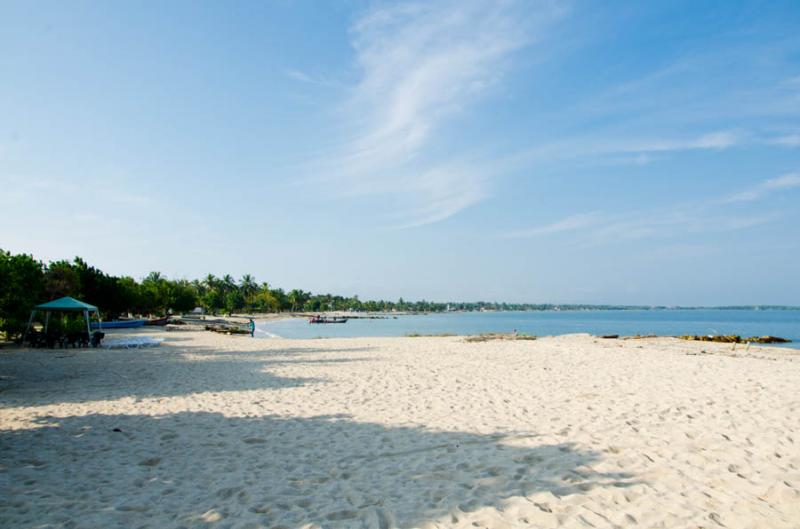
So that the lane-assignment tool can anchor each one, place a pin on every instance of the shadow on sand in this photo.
(38, 377)
(205, 469)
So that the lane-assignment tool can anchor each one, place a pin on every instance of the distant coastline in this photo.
(525, 307)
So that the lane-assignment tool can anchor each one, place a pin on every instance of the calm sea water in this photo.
(783, 323)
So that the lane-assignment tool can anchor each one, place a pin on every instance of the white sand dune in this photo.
(220, 431)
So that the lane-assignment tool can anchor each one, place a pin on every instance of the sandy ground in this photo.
(228, 431)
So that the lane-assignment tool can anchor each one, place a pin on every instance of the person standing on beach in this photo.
(252, 328)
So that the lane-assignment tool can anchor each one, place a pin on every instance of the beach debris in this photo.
(766, 339)
(211, 516)
(117, 430)
(510, 336)
(327, 319)
(133, 342)
(734, 338)
(227, 328)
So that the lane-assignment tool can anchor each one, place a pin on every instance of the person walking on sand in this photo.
(252, 328)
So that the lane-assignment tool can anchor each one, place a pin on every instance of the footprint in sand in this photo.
(150, 462)
(342, 515)
(227, 492)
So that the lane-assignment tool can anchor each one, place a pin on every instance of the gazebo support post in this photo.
(46, 320)
(28, 328)
(88, 327)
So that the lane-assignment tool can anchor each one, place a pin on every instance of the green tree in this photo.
(183, 296)
(265, 299)
(156, 293)
(61, 279)
(234, 301)
(281, 299)
(21, 288)
(125, 296)
(297, 299)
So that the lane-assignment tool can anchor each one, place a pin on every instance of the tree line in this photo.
(26, 282)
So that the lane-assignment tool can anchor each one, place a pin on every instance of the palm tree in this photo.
(228, 283)
(297, 298)
(210, 282)
(199, 286)
(248, 287)
(154, 277)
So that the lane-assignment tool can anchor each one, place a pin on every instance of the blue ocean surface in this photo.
(783, 323)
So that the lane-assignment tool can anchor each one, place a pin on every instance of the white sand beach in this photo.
(233, 432)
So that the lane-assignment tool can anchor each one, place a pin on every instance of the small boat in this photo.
(325, 319)
(118, 324)
(158, 321)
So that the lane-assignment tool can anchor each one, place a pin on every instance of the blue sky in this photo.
(614, 152)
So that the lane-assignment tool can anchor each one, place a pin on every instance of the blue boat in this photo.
(118, 324)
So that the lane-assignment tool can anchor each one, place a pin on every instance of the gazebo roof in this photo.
(66, 304)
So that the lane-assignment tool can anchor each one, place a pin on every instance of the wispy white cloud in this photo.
(597, 228)
(656, 110)
(639, 151)
(789, 140)
(786, 181)
(297, 75)
(609, 228)
(743, 196)
(718, 140)
(439, 201)
(572, 223)
(421, 64)
(92, 190)
(304, 77)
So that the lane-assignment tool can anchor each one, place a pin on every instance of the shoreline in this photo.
(793, 345)
(750, 330)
